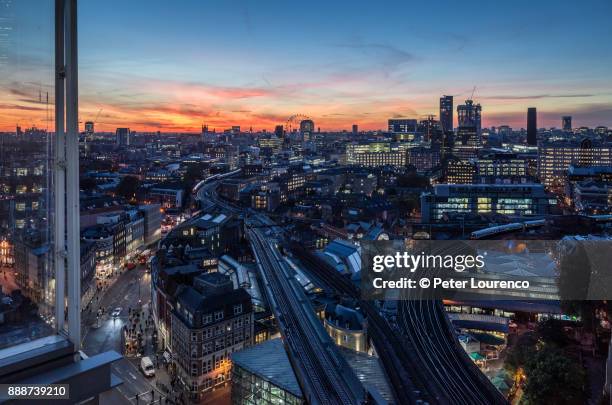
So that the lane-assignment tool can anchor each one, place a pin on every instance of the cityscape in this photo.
(217, 253)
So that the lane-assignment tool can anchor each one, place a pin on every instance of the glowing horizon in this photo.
(255, 64)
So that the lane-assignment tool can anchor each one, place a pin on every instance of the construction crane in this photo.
(96, 119)
(473, 91)
(100, 111)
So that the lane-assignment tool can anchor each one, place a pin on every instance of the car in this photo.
(147, 367)
(116, 312)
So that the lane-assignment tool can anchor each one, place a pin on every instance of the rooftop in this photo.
(269, 361)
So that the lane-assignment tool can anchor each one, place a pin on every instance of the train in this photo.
(213, 178)
(513, 227)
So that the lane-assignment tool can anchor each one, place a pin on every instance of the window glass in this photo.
(27, 124)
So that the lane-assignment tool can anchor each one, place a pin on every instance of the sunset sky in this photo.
(172, 66)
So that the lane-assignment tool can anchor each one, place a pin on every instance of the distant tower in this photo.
(446, 113)
(566, 123)
(279, 131)
(355, 128)
(89, 128)
(470, 115)
(306, 126)
(430, 129)
(122, 136)
(306, 129)
(532, 126)
(469, 127)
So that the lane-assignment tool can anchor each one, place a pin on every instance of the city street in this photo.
(130, 290)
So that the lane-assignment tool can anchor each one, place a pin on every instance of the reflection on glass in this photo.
(27, 297)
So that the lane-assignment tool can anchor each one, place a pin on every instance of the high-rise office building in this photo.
(122, 136)
(279, 131)
(555, 158)
(446, 113)
(375, 154)
(89, 127)
(306, 129)
(468, 139)
(566, 123)
(431, 130)
(470, 115)
(355, 128)
(402, 125)
(504, 199)
(307, 126)
(532, 126)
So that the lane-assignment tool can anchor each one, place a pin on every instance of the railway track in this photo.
(325, 376)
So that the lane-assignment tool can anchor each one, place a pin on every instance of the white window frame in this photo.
(66, 173)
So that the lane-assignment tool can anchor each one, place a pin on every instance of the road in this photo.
(131, 287)
(130, 290)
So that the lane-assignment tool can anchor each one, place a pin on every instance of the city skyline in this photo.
(255, 65)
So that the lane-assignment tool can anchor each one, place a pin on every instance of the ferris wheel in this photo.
(293, 122)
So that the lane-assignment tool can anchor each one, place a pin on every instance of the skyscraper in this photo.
(306, 129)
(468, 138)
(446, 113)
(122, 136)
(431, 130)
(469, 115)
(402, 125)
(532, 126)
(566, 123)
(355, 128)
(307, 126)
(279, 131)
(89, 127)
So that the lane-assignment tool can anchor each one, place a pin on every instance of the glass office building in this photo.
(505, 199)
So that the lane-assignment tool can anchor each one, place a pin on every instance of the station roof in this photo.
(269, 361)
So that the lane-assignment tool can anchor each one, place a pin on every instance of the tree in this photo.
(127, 187)
(551, 331)
(410, 203)
(521, 351)
(553, 378)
